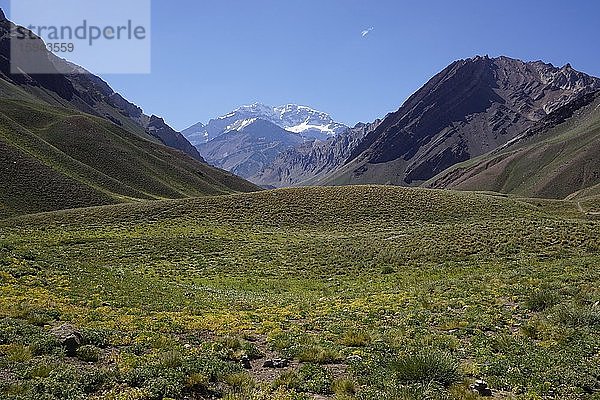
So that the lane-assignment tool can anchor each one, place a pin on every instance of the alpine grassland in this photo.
(364, 292)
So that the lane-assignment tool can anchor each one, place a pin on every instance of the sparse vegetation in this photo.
(172, 296)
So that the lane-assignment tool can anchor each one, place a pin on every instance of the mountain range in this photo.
(249, 138)
(472, 107)
(495, 124)
(305, 121)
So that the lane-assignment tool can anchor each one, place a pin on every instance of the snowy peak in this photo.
(308, 123)
(255, 110)
(239, 126)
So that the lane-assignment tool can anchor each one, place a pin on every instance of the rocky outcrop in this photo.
(158, 128)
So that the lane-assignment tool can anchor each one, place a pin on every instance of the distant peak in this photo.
(255, 105)
(2, 15)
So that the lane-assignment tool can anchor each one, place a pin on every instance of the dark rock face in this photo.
(312, 160)
(159, 129)
(470, 108)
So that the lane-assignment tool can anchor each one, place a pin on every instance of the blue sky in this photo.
(210, 56)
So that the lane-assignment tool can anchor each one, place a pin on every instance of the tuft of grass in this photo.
(343, 387)
(542, 300)
(18, 353)
(287, 379)
(197, 382)
(579, 315)
(240, 382)
(355, 338)
(88, 353)
(425, 367)
(318, 355)
(170, 359)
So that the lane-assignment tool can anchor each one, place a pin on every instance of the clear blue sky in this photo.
(210, 56)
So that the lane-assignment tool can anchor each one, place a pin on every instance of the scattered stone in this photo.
(246, 362)
(353, 359)
(481, 388)
(276, 363)
(69, 337)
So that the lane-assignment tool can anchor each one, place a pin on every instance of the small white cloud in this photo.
(366, 32)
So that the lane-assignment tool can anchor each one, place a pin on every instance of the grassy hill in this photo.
(60, 158)
(557, 160)
(371, 293)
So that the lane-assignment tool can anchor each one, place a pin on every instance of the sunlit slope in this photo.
(59, 158)
(557, 162)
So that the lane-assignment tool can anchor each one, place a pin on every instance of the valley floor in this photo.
(369, 292)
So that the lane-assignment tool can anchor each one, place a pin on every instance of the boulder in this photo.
(481, 388)
(69, 338)
(276, 363)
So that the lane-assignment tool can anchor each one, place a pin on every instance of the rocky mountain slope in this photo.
(308, 123)
(248, 146)
(72, 86)
(307, 163)
(470, 108)
(559, 157)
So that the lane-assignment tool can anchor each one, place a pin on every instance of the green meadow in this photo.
(368, 292)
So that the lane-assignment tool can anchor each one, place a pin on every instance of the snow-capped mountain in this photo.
(248, 146)
(308, 123)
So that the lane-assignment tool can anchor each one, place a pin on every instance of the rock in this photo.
(246, 362)
(481, 388)
(69, 337)
(353, 359)
(276, 363)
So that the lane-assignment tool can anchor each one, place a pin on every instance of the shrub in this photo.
(97, 337)
(167, 385)
(387, 270)
(94, 380)
(427, 367)
(233, 348)
(88, 353)
(314, 379)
